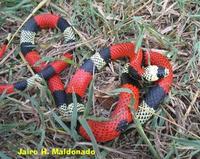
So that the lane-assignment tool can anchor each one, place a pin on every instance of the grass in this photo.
(28, 119)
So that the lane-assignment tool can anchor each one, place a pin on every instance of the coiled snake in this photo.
(159, 70)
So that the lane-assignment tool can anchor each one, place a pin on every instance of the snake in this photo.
(149, 66)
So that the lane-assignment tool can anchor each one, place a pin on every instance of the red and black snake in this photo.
(159, 69)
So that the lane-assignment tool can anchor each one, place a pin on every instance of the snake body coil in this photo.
(136, 70)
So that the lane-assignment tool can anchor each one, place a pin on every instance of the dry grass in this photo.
(27, 120)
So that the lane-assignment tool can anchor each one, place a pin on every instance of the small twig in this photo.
(7, 56)
(191, 105)
(28, 66)
(139, 9)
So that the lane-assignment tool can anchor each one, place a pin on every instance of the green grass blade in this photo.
(85, 125)
(143, 135)
(169, 154)
(40, 145)
(120, 90)
(74, 118)
(139, 39)
(3, 155)
(61, 123)
(7, 127)
(90, 99)
(145, 138)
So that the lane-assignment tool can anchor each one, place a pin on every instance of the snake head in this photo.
(153, 73)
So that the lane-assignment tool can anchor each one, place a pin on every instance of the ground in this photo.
(28, 119)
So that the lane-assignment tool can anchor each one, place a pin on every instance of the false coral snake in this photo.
(159, 70)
